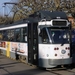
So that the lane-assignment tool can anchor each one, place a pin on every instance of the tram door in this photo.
(33, 43)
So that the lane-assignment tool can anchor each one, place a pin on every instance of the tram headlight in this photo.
(63, 51)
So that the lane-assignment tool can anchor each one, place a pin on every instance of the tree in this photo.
(27, 7)
(5, 20)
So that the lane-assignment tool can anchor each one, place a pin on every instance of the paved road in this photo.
(13, 67)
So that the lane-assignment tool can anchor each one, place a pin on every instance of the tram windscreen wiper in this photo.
(62, 43)
(63, 40)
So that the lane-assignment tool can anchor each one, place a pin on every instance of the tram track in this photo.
(56, 71)
(71, 71)
(63, 71)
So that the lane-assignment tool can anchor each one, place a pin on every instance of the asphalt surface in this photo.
(14, 67)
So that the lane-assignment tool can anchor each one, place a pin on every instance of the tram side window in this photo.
(5, 37)
(18, 35)
(12, 35)
(8, 35)
(1, 36)
(44, 36)
(24, 34)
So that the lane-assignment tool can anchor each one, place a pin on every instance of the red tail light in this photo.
(56, 48)
(67, 48)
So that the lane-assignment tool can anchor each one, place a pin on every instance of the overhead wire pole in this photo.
(3, 10)
(10, 3)
(4, 14)
(5, 6)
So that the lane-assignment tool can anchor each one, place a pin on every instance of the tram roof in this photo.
(49, 15)
(39, 15)
(56, 14)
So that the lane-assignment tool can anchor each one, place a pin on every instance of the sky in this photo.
(7, 8)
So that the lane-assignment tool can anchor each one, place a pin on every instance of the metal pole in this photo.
(3, 10)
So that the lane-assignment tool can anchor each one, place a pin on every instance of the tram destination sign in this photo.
(59, 23)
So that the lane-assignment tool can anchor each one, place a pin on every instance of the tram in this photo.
(43, 39)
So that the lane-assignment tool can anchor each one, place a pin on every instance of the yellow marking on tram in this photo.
(8, 49)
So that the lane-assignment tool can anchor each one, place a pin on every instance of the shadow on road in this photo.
(29, 72)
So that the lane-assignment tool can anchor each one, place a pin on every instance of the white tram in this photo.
(43, 39)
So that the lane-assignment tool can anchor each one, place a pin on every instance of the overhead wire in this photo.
(10, 7)
(10, 10)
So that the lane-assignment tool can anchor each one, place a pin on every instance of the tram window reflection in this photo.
(44, 36)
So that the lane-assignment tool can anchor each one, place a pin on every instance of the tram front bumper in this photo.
(50, 63)
(60, 61)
